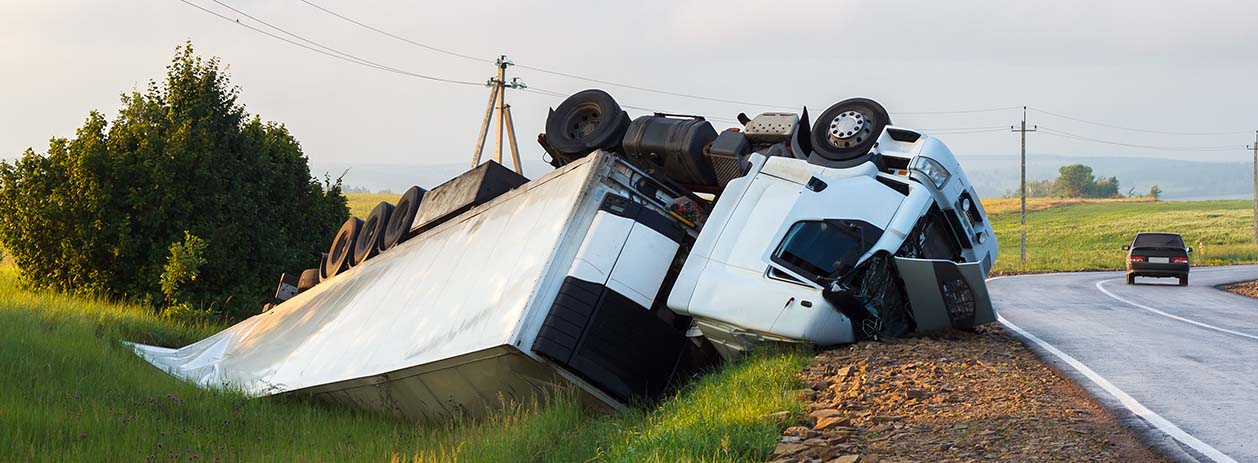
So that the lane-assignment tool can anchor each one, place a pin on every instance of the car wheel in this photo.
(398, 228)
(342, 251)
(371, 237)
(1131, 279)
(1183, 281)
(586, 121)
(848, 130)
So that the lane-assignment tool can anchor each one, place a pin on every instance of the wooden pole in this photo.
(515, 150)
(484, 126)
(502, 103)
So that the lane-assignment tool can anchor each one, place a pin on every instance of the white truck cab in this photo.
(785, 244)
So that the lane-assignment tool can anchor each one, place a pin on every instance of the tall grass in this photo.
(71, 391)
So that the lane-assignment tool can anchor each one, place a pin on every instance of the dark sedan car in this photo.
(1161, 255)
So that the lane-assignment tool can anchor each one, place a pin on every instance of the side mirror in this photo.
(1126, 247)
(1190, 249)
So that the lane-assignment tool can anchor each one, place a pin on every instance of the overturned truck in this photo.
(655, 247)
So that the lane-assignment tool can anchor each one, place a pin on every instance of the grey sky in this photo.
(1178, 66)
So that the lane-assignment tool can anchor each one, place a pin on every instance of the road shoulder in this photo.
(957, 396)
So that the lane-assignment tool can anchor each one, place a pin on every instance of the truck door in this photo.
(601, 325)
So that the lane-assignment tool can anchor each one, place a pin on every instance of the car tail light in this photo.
(1135, 258)
(1179, 260)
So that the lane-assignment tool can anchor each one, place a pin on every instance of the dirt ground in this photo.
(1244, 288)
(956, 397)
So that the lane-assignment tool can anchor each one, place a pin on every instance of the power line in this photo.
(1058, 133)
(538, 69)
(1132, 129)
(332, 52)
(964, 132)
(961, 111)
(559, 95)
(397, 37)
(609, 82)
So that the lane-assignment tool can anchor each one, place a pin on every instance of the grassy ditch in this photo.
(1089, 235)
(72, 392)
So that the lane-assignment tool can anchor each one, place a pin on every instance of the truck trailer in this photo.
(655, 248)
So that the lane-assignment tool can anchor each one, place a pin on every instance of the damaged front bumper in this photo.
(899, 296)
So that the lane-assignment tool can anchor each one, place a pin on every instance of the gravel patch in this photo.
(956, 397)
(1244, 288)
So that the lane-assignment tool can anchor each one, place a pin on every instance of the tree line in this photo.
(1077, 181)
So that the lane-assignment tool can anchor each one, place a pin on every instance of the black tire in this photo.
(398, 228)
(342, 251)
(586, 121)
(323, 266)
(371, 237)
(1183, 281)
(833, 145)
(309, 278)
(1131, 279)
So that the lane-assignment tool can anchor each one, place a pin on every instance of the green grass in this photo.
(1090, 235)
(71, 391)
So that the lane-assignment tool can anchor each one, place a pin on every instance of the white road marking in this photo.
(1128, 402)
(1099, 285)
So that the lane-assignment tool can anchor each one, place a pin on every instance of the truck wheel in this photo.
(586, 121)
(342, 251)
(849, 129)
(1183, 281)
(371, 237)
(398, 228)
(309, 278)
(323, 267)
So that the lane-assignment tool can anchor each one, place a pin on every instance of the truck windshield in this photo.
(819, 249)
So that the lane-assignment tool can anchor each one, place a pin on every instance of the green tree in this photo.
(1073, 181)
(1076, 181)
(1155, 192)
(1104, 188)
(97, 213)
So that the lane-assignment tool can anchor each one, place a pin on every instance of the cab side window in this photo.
(821, 249)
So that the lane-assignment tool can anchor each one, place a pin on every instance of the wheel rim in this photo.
(583, 121)
(848, 129)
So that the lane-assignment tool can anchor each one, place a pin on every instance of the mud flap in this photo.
(944, 294)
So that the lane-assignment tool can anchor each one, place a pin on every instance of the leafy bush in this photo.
(182, 265)
(98, 212)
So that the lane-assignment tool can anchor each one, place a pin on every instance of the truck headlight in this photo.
(933, 169)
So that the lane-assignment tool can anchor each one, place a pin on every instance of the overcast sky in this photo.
(1158, 65)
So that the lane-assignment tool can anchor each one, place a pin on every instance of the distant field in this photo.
(1089, 235)
(73, 392)
(1014, 205)
(361, 204)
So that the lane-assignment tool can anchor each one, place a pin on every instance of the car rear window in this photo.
(1158, 240)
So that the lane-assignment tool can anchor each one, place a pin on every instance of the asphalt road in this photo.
(1179, 364)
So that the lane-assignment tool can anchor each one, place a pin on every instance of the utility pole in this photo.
(1255, 148)
(498, 102)
(1022, 228)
